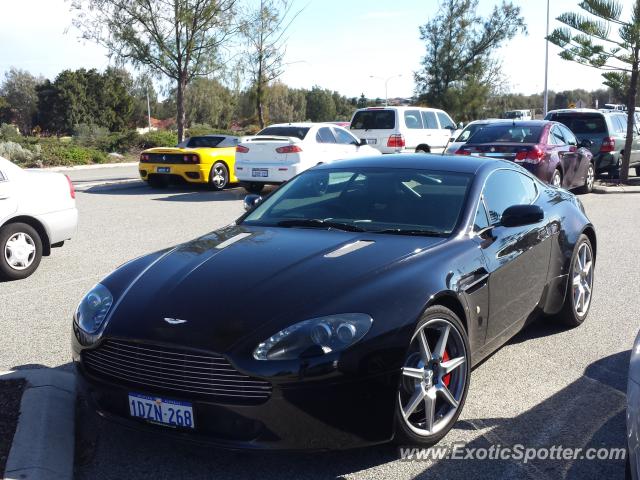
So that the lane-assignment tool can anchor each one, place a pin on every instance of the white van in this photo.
(403, 129)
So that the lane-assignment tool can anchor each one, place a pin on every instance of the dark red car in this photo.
(547, 149)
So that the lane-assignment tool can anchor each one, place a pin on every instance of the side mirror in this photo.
(519, 215)
(451, 127)
(251, 202)
(585, 143)
(362, 143)
(460, 125)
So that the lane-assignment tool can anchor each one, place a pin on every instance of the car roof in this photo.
(522, 123)
(399, 107)
(297, 124)
(444, 163)
(575, 110)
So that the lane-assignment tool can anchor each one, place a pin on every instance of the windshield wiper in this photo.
(400, 231)
(318, 223)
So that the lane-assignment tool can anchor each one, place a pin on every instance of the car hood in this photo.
(233, 282)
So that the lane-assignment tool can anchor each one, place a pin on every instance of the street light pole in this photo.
(546, 68)
(386, 85)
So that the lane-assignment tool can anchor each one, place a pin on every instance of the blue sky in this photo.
(337, 44)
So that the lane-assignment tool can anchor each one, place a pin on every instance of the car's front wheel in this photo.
(219, 176)
(434, 379)
(580, 284)
(556, 178)
(21, 251)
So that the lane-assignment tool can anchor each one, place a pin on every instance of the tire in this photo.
(556, 178)
(157, 182)
(446, 392)
(588, 181)
(573, 315)
(253, 187)
(422, 150)
(637, 171)
(20, 251)
(219, 176)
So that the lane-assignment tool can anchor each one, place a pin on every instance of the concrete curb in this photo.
(616, 189)
(43, 445)
(90, 167)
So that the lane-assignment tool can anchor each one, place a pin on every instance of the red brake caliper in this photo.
(447, 378)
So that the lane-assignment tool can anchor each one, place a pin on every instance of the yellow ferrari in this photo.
(208, 159)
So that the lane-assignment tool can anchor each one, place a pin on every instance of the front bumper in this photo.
(323, 415)
(276, 172)
(192, 173)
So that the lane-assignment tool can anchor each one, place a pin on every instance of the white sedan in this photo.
(37, 212)
(280, 152)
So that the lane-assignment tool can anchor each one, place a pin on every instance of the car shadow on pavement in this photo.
(178, 193)
(588, 413)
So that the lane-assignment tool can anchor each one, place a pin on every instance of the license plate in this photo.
(173, 413)
(163, 169)
(259, 172)
(372, 141)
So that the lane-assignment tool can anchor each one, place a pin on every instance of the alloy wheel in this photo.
(20, 251)
(591, 176)
(433, 378)
(582, 283)
(219, 176)
(556, 180)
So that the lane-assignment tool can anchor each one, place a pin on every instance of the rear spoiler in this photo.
(269, 138)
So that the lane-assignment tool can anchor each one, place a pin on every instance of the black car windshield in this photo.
(507, 133)
(374, 120)
(394, 201)
(288, 131)
(581, 123)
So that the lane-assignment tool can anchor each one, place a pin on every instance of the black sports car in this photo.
(347, 308)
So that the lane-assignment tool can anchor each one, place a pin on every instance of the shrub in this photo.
(119, 142)
(9, 133)
(70, 154)
(16, 153)
(88, 135)
(159, 138)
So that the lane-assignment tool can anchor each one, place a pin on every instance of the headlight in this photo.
(315, 337)
(93, 309)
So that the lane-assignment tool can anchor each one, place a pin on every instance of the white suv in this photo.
(403, 129)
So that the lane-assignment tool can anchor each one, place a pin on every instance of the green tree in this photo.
(320, 105)
(143, 86)
(263, 30)
(587, 39)
(209, 102)
(459, 52)
(180, 39)
(285, 104)
(20, 98)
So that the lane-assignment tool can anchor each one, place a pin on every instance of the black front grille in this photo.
(169, 158)
(190, 374)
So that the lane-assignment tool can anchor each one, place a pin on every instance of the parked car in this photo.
(607, 130)
(465, 134)
(404, 129)
(37, 213)
(518, 115)
(208, 159)
(633, 413)
(370, 289)
(547, 149)
(279, 152)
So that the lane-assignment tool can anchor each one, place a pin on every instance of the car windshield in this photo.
(287, 131)
(582, 124)
(374, 119)
(507, 134)
(394, 201)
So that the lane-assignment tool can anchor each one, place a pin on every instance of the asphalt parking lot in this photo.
(548, 386)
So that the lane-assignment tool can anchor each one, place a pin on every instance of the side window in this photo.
(481, 221)
(445, 121)
(2, 177)
(505, 188)
(344, 138)
(429, 119)
(412, 119)
(325, 135)
(555, 136)
(568, 135)
(620, 124)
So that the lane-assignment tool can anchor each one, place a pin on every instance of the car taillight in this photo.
(289, 149)
(608, 145)
(191, 159)
(241, 149)
(396, 141)
(463, 151)
(72, 189)
(144, 157)
(533, 155)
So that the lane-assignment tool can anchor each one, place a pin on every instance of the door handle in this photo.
(475, 280)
